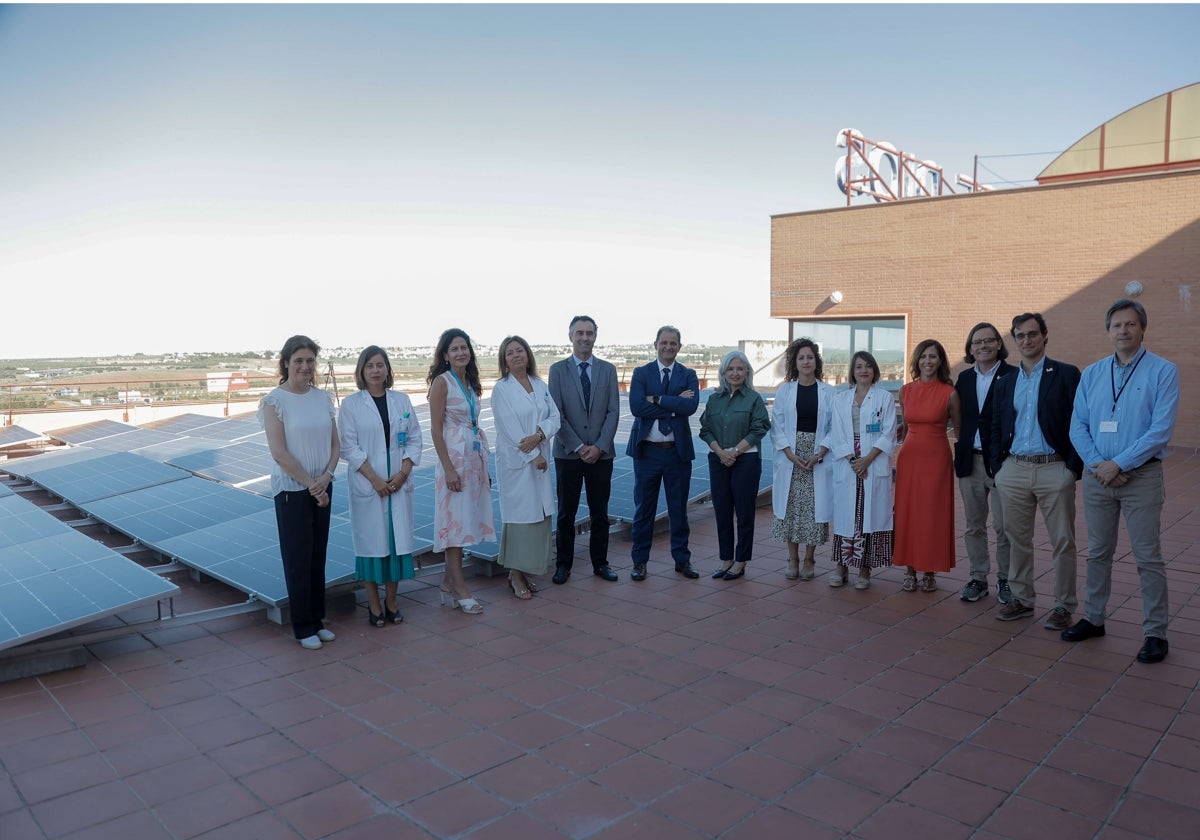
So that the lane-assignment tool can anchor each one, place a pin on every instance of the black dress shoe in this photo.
(561, 574)
(687, 571)
(605, 572)
(732, 576)
(1082, 629)
(1154, 650)
(639, 572)
(720, 573)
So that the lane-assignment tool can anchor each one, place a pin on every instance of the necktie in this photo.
(586, 382)
(664, 424)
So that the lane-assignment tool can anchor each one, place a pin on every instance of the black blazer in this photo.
(1056, 399)
(972, 419)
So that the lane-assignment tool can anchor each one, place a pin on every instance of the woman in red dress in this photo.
(924, 527)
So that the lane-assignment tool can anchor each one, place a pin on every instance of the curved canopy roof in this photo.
(1161, 134)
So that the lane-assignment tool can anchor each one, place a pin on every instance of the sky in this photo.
(218, 178)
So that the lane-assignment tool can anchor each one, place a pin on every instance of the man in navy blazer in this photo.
(985, 353)
(585, 390)
(662, 396)
(1036, 467)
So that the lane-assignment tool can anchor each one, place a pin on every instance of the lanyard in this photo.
(469, 396)
(1112, 378)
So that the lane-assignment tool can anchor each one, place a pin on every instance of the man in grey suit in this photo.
(585, 390)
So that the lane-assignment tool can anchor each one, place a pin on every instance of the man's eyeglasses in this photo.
(1023, 336)
(984, 342)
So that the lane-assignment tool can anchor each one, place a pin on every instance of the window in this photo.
(839, 339)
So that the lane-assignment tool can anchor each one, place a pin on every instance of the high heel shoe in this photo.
(720, 573)
(809, 571)
(533, 587)
(522, 593)
(793, 570)
(373, 619)
(392, 616)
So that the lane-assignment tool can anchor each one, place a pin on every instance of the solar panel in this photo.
(53, 578)
(173, 448)
(181, 424)
(230, 429)
(154, 514)
(60, 456)
(244, 553)
(88, 432)
(17, 435)
(5, 490)
(129, 441)
(109, 475)
(236, 464)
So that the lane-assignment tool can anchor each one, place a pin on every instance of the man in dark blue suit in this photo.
(662, 396)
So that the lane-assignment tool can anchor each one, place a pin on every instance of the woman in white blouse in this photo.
(302, 434)
(526, 418)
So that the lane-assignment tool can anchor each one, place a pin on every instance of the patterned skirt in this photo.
(871, 550)
(799, 523)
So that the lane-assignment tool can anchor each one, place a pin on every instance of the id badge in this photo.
(402, 438)
(475, 446)
(874, 428)
(1108, 427)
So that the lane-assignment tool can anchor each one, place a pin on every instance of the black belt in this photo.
(661, 444)
(1037, 459)
(977, 451)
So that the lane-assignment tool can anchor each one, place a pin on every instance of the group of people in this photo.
(1024, 435)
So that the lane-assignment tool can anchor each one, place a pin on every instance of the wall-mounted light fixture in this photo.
(835, 298)
(1133, 288)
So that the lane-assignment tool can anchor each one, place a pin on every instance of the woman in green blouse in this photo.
(734, 421)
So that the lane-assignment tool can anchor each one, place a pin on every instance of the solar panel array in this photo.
(53, 578)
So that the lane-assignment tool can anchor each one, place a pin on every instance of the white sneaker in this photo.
(310, 643)
(326, 635)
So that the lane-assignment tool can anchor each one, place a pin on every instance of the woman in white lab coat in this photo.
(861, 439)
(381, 443)
(802, 488)
(526, 418)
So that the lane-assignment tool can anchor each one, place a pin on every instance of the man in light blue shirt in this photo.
(1124, 417)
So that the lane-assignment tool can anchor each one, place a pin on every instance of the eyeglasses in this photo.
(1023, 336)
(984, 342)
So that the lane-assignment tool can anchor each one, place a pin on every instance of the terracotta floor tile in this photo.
(455, 809)
(537, 691)
(584, 753)
(801, 746)
(1119, 735)
(33, 727)
(183, 778)
(323, 731)
(93, 806)
(942, 720)
(647, 825)
(288, 780)
(641, 777)
(516, 825)
(832, 802)
(474, 753)
(285, 712)
(999, 770)
(758, 774)
(580, 809)
(331, 809)
(1095, 762)
(69, 776)
(909, 744)
(429, 730)
(736, 723)
(1025, 819)
(1088, 797)
(20, 825)
(694, 750)
(1165, 781)
(255, 753)
(523, 779)
(392, 826)
(1171, 821)
(917, 822)
(260, 826)
(24, 756)
(142, 825)
(958, 799)
(708, 806)
(1012, 739)
(636, 729)
(405, 780)
(776, 821)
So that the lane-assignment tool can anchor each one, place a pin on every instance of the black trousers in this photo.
(734, 493)
(574, 476)
(303, 539)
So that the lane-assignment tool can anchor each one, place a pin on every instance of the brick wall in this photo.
(1065, 250)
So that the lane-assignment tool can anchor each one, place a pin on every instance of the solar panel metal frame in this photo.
(18, 436)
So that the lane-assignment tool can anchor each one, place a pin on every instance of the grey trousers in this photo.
(1024, 489)
(978, 491)
(1141, 500)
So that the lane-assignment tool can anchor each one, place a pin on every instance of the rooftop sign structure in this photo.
(880, 170)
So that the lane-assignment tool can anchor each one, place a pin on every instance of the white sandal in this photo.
(469, 605)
